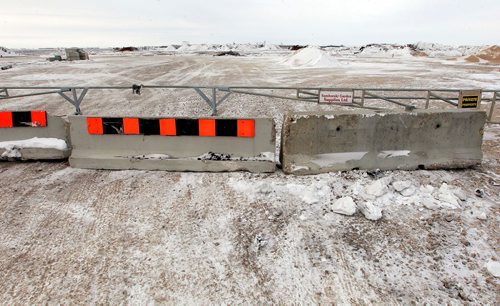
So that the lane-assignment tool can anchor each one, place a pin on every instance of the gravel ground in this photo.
(73, 236)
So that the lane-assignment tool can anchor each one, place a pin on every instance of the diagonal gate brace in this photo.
(75, 99)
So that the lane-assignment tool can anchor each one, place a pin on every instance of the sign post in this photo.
(469, 98)
(340, 97)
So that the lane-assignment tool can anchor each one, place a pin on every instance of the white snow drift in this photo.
(311, 57)
(12, 147)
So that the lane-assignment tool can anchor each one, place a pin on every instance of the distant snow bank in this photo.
(187, 48)
(4, 52)
(311, 57)
(308, 57)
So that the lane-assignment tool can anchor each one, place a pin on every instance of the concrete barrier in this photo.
(422, 139)
(33, 135)
(174, 144)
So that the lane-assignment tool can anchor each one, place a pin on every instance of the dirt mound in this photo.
(228, 53)
(126, 49)
(491, 54)
(472, 59)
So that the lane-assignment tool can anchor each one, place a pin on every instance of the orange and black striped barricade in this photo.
(33, 135)
(174, 144)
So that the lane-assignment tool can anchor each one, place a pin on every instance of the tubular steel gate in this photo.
(362, 97)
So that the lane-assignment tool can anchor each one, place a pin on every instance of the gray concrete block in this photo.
(342, 140)
(57, 127)
(172, 153)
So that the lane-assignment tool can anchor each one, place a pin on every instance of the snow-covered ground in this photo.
(82, 236)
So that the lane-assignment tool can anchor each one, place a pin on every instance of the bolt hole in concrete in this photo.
(421, 167)
(438, 126)
(338, 128)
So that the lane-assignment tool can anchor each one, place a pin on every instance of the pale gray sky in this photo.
(51, 23)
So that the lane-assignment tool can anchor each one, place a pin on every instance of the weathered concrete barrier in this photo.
(422, 139)
(175, 144)
(33, 135)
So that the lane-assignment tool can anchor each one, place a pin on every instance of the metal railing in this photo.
(402, 97)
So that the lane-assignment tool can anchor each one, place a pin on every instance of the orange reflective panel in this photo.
(206, 127)
(5, 119)
(167, 127)
(246, 128)
(39, 118)
(94, 126)
(131, 126)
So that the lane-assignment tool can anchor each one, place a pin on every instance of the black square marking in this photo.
(149, 126)
(187, 127)
(20, 119)
(112, 125)
(226, 127)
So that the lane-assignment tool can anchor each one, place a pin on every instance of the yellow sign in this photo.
(469, 99)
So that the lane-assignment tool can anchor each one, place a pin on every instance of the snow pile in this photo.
(370, 211)
(311, 57)
(171, 48)
(184, 47)
(386, 51)
(221, 48)
(371, 197)
(446, 51)
(494, 268)
(245, 48)
(344, 206)
(269, 47)
(198, 48)
(12, 148)
(6, 52)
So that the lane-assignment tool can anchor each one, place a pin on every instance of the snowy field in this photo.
(138, 237)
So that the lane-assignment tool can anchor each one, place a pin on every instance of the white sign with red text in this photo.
(335, 96)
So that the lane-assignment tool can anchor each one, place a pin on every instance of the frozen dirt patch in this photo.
(125, 236)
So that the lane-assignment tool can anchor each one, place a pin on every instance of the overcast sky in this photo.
(105, 23)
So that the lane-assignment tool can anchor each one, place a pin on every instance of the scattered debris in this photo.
(296, 47)
(230, 53)
(494, 268)
(75, 54)
(344, 206)
(55, 58)
(376, 174)
(479, 193)
(376, 189)
(370, 211)
(126, 49)
(263, 156)
(150, 157)
(136, 89)
(214, 156)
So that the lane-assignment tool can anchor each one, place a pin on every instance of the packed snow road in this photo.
(83, 236)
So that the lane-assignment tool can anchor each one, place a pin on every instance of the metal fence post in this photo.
(214, 101)
(428, 99)
(492, 109)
